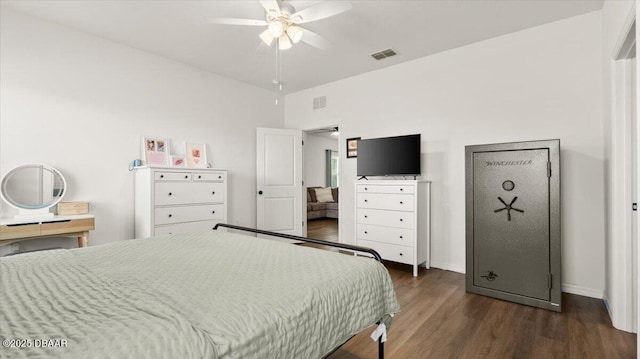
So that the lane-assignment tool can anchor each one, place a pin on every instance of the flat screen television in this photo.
(389, 156)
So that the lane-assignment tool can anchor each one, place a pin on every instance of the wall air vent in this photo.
(384, 54)
(319, 102)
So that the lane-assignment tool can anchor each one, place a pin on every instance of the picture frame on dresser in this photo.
(178, 161)
(155, 151)
(196, 154)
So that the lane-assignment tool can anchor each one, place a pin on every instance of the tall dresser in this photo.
(393, 218)
(178, 200)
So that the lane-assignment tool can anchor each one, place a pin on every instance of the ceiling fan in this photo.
(282, 22)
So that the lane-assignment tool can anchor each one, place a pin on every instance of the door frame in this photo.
(622, 263)
(340, 163)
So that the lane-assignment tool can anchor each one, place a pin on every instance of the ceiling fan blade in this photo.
(314, 39)
(321, 11)
(271, 6)
(232, 21)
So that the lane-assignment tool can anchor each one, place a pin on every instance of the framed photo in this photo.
(352, 147)
(178, 161)
(155, 151)
(196, 154)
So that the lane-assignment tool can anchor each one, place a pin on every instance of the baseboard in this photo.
(586, 292)
(448, 266)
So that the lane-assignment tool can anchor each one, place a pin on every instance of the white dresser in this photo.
(178, 200)
(393, 218)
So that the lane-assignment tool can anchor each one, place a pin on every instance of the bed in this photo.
(198, 295)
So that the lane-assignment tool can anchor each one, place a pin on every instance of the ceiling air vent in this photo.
(384, 54)
(319, 102)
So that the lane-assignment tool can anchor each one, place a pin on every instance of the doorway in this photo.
(321, 167)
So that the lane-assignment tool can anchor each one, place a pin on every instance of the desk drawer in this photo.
(76, 225)
(390, 252)
(395, 202)
(167, 215)
(379, 217)
(184, 193)
(19, 231)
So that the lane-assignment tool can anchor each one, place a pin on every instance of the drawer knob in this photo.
(401, 202)
(170, 194)
(170, 215)
(213, 192)
(366, 200)
(366, 189)
(400, 254)
(400, 219)
(401, 189)
(219, 177)
(199, 176)
(161, 176)
(213, 212)
(365, 216)
(186, 176)
(365, 232)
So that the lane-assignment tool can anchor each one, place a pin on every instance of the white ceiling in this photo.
(179, 30)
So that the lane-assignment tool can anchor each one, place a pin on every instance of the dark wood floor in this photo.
(438, 319)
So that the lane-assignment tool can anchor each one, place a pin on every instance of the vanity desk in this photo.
(14, 230)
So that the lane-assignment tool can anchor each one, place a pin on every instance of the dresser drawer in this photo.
(167, 215)
(184, 193)
(201, 226)
(380, 188)
(390, 252)
(385, 218)
(210, 176)
(395, 202)
(391, 235)
(173, 176)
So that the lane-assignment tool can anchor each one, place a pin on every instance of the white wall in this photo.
(540, 83)
(81, 103)
(315, 159)
(616, 16)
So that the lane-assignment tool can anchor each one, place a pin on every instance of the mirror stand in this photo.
(33, 213)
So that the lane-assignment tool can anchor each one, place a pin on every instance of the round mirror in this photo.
(33, 188)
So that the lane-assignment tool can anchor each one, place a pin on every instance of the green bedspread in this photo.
(204, 295)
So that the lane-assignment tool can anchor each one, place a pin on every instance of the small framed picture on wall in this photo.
(178, 161)
(352, 147)
(155, 151)
(196, 154)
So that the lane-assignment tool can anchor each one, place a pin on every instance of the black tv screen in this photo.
(389, 156)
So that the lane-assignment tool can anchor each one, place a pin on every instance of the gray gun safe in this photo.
(513, 222)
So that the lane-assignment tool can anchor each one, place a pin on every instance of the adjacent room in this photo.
(319, 179)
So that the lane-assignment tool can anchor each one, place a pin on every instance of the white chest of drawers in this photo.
(178, 200)
(393, 218)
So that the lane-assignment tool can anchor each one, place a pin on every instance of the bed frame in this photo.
(348, 247)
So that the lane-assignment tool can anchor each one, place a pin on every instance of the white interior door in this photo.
(279, 180)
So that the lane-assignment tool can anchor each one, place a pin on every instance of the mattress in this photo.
(198, 295)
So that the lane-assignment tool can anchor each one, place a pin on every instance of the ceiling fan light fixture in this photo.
(295, 33)
(266, 37)
(276, 28)
(284, 43)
